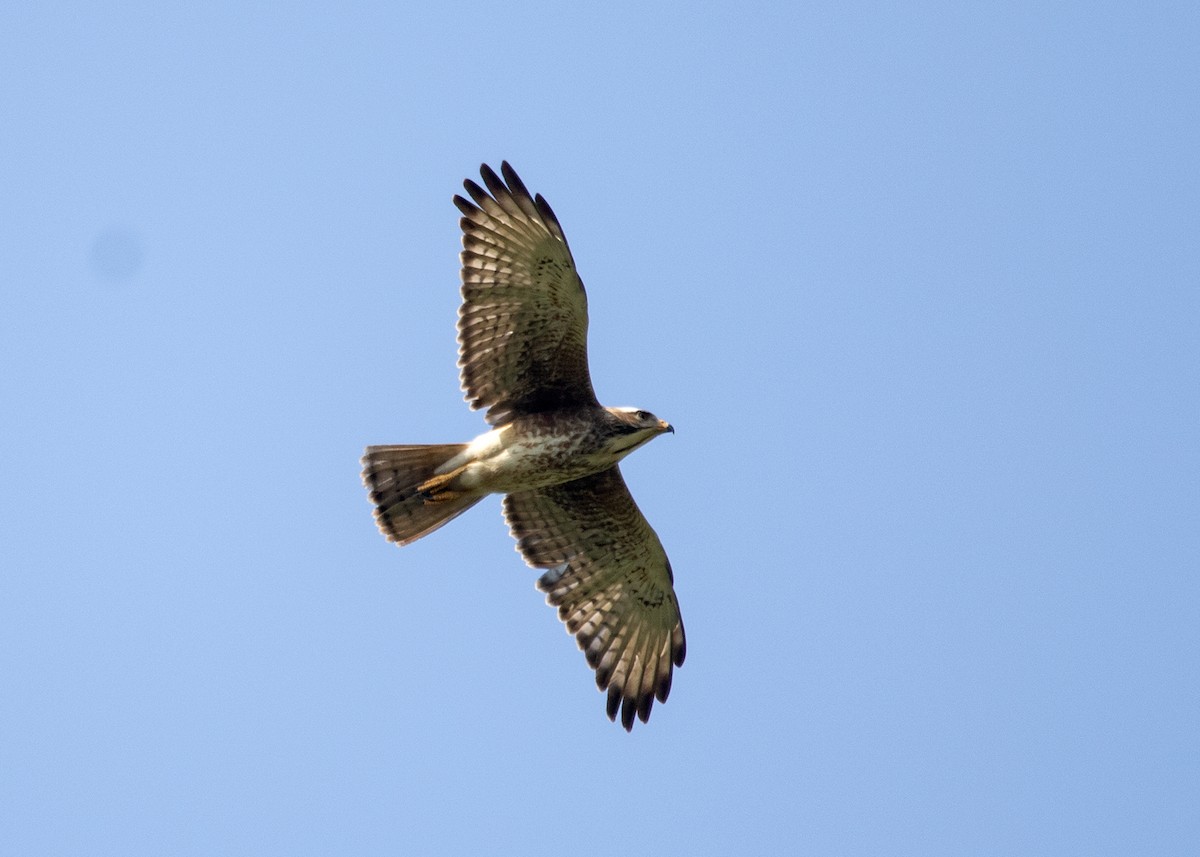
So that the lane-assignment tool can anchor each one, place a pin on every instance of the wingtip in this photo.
(468, 209)
(492, 181)
(628, 712)
(515, 185)
(474, 190)
(644, 704)
(613, 704)
(663, 690)
(486, 170)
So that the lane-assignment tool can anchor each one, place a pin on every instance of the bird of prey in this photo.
(552, 449)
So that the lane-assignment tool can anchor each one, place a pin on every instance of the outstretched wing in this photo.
(522, 327)
(608, 575)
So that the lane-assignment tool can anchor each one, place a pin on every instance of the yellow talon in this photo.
(437, 490)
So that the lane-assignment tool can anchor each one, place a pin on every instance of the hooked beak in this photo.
(664, 427)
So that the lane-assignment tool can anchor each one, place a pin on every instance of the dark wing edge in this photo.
(522, 327)
(609, 577)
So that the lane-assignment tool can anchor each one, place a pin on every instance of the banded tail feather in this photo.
(409, 494)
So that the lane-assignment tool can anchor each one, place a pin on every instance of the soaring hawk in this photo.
(552, 449)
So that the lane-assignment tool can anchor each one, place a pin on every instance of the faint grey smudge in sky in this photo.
(116, 254)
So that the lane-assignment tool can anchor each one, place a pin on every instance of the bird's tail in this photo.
(411, 498)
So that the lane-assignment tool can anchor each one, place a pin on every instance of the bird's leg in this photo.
(438, 490)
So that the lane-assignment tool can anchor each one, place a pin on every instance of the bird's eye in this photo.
(642, 415)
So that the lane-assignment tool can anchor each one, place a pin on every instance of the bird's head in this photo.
(629, 428)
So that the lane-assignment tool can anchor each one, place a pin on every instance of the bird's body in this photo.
(553, 450)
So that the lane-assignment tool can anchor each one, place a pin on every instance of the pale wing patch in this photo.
(609, 577)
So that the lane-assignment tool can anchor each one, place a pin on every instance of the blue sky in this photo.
(918, 285)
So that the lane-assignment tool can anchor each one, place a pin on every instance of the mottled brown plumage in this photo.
(553, 449)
